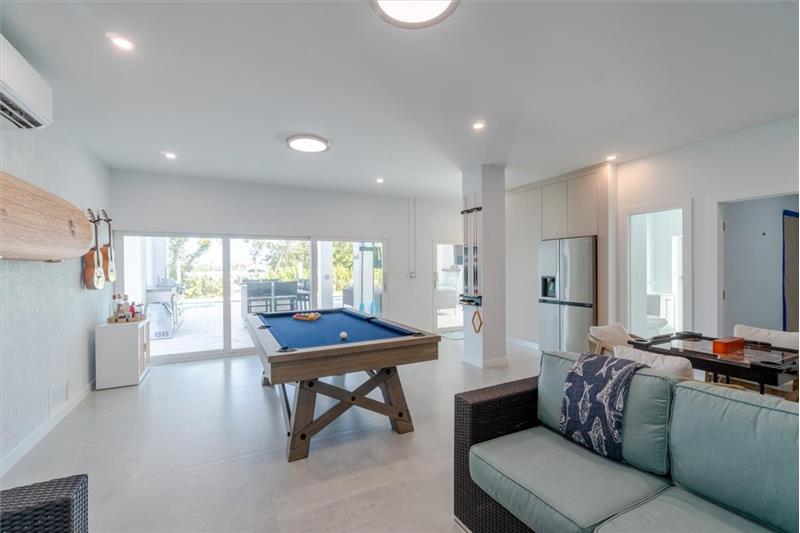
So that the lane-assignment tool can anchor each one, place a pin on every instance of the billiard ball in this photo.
(343, 335)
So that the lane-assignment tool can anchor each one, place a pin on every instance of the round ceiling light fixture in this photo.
(414, 14)
(306, 142)
(120, 42)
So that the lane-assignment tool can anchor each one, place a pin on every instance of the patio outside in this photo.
(181, 281)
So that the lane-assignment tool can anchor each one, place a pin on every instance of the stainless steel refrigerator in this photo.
(567, 293)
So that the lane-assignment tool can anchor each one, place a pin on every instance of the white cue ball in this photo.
(343, 335)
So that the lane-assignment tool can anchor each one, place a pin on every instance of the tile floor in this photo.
(200, 447)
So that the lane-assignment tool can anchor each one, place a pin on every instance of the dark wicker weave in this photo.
(482, 415)
(58, 505)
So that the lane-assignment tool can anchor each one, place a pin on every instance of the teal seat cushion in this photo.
(645, 422)
(554, 485)
(676, 509)
(738, 449)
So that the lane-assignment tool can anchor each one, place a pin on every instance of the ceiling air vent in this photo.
(26, 100)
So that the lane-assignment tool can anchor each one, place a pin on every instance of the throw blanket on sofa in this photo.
(594, 401)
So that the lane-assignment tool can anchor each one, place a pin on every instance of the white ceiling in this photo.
(560, 85)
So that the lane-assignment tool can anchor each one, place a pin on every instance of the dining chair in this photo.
(603, 339)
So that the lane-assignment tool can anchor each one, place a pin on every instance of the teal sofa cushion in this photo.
(645, 422)
(737, 448)
(676, 509)
(554, 485)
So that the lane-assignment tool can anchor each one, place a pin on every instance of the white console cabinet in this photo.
(122, 354)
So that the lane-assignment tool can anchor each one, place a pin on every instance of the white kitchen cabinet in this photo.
(554, 210)
(122, 354)
(582, 206)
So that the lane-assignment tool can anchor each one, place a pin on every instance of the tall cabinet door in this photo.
(554, 210)
(582, 206)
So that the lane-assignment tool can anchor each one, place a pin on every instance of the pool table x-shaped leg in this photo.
(303, 426)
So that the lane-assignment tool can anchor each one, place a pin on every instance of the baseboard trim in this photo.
(27, 444)
(523, 343)
(198, 356)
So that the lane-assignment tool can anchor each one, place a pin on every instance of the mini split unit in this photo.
(26, 100)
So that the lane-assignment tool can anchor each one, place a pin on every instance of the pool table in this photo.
(302, 352)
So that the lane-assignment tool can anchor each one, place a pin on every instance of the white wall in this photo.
(757, 162)
(162, 203)
(47, 318)
(753, 265)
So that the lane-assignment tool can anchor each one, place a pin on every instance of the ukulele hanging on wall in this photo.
(107, 251)
(93, 276)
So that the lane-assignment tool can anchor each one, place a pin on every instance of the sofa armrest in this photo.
(482, 415)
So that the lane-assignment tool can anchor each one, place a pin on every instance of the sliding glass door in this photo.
(350, 274)
(267, 275)
(179, 279)
(197, 290)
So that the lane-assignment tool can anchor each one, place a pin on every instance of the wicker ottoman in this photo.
(58, 505)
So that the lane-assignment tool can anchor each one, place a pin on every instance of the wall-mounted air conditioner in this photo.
(26, 100)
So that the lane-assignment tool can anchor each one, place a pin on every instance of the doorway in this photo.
(448, 283)
(759, 265)
(655, 272)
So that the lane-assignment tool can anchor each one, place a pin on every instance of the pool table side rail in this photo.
(343, 363)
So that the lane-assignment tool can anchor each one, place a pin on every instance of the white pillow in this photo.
(679, 367)
(780, 339)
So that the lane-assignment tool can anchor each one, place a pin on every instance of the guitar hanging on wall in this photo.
(93, 276)
(107, 251)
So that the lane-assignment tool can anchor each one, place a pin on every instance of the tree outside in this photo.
(266, 259)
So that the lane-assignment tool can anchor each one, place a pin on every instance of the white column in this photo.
(487, 348)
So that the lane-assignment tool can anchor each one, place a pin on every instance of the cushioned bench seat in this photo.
(676, 509)
(551, 484)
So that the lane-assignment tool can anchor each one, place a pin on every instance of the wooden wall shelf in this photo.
(38, 225)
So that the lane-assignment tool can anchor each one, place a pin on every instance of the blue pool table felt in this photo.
(291, 333)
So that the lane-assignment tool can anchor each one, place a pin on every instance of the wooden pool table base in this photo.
(301, 426)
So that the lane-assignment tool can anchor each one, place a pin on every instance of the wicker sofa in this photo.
(697, 457)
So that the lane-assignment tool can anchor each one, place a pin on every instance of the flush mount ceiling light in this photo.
(379, 179)
(120, 42)
(169, 155)
(306, 142)
(414, 14)
(612, 157)
(478, 125)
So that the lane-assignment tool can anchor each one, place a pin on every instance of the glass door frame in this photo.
(434, 285)
(625, 214)
(227, 350)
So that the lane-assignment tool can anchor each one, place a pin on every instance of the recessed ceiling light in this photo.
(478, 125)
(612, 157)
(120, 42)
(414, 14)
(308, 143)
(170, 155)
(379, 179)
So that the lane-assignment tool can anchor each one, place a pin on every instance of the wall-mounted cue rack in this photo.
(472, 224)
